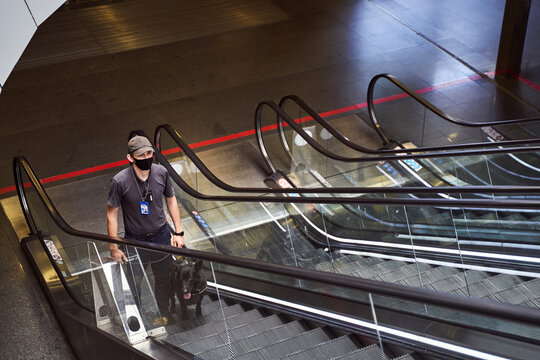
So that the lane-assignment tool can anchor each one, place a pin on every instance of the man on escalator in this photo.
(139, 190)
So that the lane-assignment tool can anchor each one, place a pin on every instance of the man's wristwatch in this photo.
(181, 233)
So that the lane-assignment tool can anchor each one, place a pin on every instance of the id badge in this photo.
(145, 208)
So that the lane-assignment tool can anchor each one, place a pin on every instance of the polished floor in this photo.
(84, 82)
(97, 69)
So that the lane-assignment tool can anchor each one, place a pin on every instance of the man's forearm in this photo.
(112, 230)
(172, 206)
(112, 226)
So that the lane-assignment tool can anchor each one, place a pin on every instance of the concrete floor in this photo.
(94, 72)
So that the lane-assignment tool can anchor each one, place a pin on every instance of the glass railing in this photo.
(405, 115)
(328, 156)
(126, 303)
(379, 226)
(514, 167)
(314, 161)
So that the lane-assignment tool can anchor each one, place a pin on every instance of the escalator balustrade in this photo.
(233, 322)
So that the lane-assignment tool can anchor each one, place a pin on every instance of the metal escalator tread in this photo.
(253, 342)
(488, 216)
(209, 307)
(336, 260)
(360, 264)
(239, 332)
(371, 352)
(457, 281)
(533, 303)
(515, 217)
(325, 350)
(207, 330)
(311, 261)
(214, 322)
(404, 357)
(429, 276)
(517, 294)
(333, 262)
(490, 285)
(403, 272)
(382, 267)
(353, 267)
(279, 349)
(345, 259)
(306, 259)
(219, 314)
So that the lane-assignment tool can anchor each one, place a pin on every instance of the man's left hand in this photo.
(177, 241)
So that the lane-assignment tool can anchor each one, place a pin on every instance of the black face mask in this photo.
(144, 164)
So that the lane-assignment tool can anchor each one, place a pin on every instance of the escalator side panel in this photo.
(87, 340)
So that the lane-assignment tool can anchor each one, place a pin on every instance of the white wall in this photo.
(19, 20)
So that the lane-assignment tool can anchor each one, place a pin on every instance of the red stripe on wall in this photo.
(528, 82)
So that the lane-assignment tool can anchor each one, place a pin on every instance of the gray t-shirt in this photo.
(124, 192)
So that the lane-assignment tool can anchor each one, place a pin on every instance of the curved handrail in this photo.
(282, 116)
(433, 108)
(506, 311)
(343, 139)
(206, 172)
(176, 137)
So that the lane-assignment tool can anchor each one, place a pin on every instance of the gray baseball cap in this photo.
(138, 145)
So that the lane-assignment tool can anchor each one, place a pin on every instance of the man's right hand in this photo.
(118, 255)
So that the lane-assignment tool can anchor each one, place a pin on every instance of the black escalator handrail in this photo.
(427, 104)
(32, 225)
(343, 139)
(282, 116)
(451, 203)
(177, 138)
(506, 311)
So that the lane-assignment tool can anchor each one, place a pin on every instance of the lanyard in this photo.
(147, 184)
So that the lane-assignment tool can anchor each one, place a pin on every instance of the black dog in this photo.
(188, 284)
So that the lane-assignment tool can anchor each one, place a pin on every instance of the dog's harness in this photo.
(202, 290)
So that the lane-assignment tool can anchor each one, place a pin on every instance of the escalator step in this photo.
(488, 216)
(489, 285)
(210, 307)
(311, 261)
(333, 266)
(518, 294)
(195, 334)
(235, 321)
(458, 281)
(229, 311)
(254, 342)
(383, 267)
(279, 349)
(371, 352)
(403, 272)
(429, 276)
(338, 260)
(325, 266)
(345, 259)
(325, 350)
(215, 324)
(533, 303)
(354, 267)
(248, 328)
(404, 357)
(515, 217)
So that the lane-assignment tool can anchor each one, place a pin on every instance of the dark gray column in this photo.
(514, 27)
